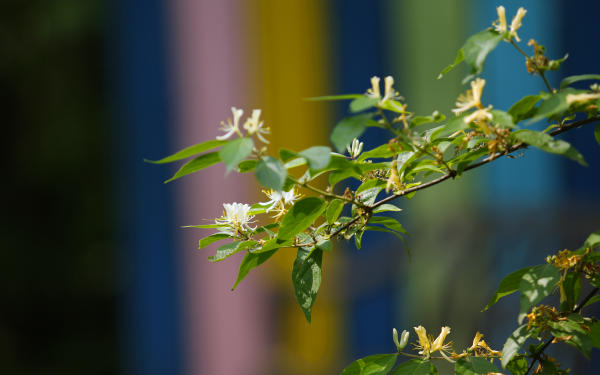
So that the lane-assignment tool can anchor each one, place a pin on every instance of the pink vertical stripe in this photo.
(225, 331)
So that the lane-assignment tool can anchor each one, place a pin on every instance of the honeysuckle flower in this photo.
(389, 93)
(374, 92)
(481, 348)
(236, 216)
(427, 346)
(355, 149)
(400, 344)
(582, 98)
(500, 24)
(230, 127)
(279, 199)
(253, 125)
(471, 99)
(479, 116)
(516, 23)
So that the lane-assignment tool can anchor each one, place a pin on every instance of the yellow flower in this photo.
(500, 24)
(426, 346)
(479, 116)
(481, 348)
(389, 93)
(471, 99)
(582, 98)
(516, 23)
(374, 92)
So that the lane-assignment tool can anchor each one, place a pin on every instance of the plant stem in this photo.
(542, 74)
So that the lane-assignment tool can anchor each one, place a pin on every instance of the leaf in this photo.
(474, 366)
(502, 118)
(212, 238)
(573, 334)
(452, 126)
(250, 261)
(593, 240)
(383, 151)
(460, 56)
(592, 300)
(388, 222)
(535, 285)
(306, 278)
(300, 216)
(514, 343)
(386, 208)
(477, 48)
(196, 164)
(570, 291)
(378, 364)
(415, 367)
(247, 166)
(524, 108)
(420, 120)
(546, 143)
(595, 334)
(229, 249)
(318, 157)
(508, 285)
(583, 77)
(517, 366)
(597, 133)
(271, 173)
(362, 103)
(334, 210)
(189, 151)
(346, 130)
(236, 151)
(335, 97)
(554, 105)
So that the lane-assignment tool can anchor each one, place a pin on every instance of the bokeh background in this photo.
(97, 275)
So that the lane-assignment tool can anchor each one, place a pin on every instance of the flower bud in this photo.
(403, 339)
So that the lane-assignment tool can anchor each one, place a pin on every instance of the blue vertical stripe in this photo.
(149, 319)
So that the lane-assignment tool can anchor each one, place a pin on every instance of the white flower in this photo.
(516, 23)
(500, 24)
(389, 93)
(472, 98)
(355, 149)
(230, 127)
(236, 216)
(254, 126)
(582, 98)
(279, 199)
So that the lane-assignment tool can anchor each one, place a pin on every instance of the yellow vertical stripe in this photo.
(292, 64)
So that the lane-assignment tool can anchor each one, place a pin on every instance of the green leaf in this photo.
(554, 105)
(387, 208)
(362, 103)
(383, 151)
(452, 126)
(460, 56)
(508, 285)
(189, 151)
(378, 364)
(335, 97)
(388, 222)
(420, 120)
(306, 277)
(286, 155)
(474, 366)
(597, 133)
(196, 164)
(247, 166)
(415, 367)
(514, 343)
(517, 366)
(229, 249)
(502, 118)
(250, 261)
(535, 285)
(300, 216)
(524, 108)
(236, 151)
(212, 238)
(595, 334)
(572, 79)
(576, 334)
(592, 300)
(334, 210)
(346, 130)
(318, 157)
(546, 143)
(570, 291)
(271, 173)
(477, 48)
(593, 240)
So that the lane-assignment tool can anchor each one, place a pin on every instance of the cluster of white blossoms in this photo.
(472, 99)
(253, 125)
(237, 217)
(501, 26)
(278, 200)
(389, 93)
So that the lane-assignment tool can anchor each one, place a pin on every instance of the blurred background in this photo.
(97, 275)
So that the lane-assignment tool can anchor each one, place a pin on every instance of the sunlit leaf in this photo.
(306, 278)
(514, 342)
(474, 366)
(196, 165)
(583, 77)
(334, 210)
(378, 364)
(212, 238)
(349, 128)
(362, 103)
(508, 285)
(300, 216)
(535, 285)
(189, 151)
(415, 367)
(271, 173)
(318, 157)
(524, 108)
(236, 151)
(250, 261)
